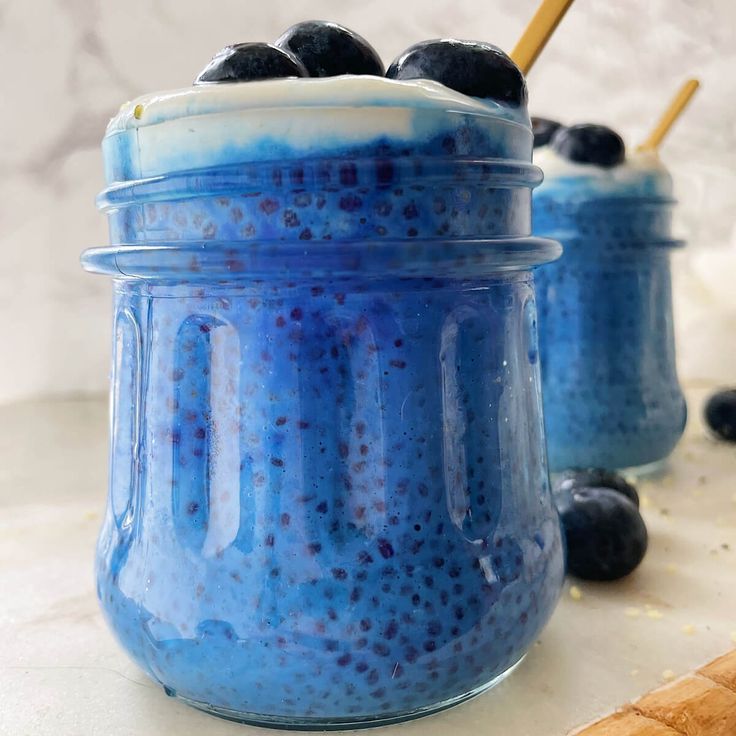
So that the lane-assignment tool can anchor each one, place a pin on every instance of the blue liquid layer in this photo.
(611, 394)
(329, 499)
(340, 505)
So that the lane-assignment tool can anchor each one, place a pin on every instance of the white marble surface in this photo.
(68, 64)
(62, 674)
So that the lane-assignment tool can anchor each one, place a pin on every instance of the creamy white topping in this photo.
(292, 94)
(641, 174)
(286, 119)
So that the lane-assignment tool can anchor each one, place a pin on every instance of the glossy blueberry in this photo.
(720, 414)
(590, 144)
(328, 49)
(605, 535)
(470, 67)
(543, 130)
(246, 62)
(595, 478)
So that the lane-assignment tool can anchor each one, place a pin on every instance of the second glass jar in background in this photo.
(611, 394)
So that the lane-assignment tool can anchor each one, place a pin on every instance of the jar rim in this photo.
(305, 173)
(577, 199)
(347, 259)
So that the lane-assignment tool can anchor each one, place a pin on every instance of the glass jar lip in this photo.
(566, 236)
(374, 259)
(608, 200)
(305, 174)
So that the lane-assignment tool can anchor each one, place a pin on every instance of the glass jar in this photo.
(329, 503)
(611, 394)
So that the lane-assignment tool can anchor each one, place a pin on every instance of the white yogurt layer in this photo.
(365, 92)
(642, 174)
(218, 124)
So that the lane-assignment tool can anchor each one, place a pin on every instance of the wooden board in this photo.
(699, 704)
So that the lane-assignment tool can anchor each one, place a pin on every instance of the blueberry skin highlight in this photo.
(574, 479)
(590, 144)
(329, 50)
(544, 129)
(472, 68)
(248, 62)
(605, 535)
(720, 414)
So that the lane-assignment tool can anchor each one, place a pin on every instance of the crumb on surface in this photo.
(655, 614)
(671, 568)
(632, 612)
(575, 593)
(688, 629)
(668, 675)
(138, 111)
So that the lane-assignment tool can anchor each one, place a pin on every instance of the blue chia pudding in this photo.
(611, 394)
(329, 501)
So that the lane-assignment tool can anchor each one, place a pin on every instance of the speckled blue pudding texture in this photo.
(611, 394)
(329, 501)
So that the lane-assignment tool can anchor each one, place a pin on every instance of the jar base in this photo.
(338, 724)
(649, 471)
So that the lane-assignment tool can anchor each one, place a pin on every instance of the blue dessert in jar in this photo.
(329, 502)
(611, 394)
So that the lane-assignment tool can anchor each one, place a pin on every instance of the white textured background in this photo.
(68, 64)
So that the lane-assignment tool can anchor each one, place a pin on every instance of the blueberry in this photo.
(595, 478)
(470, 67)
(720, 414)
(604, 532)
(543, 130)
(328, 50)
(590, 144)
(246, 62)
